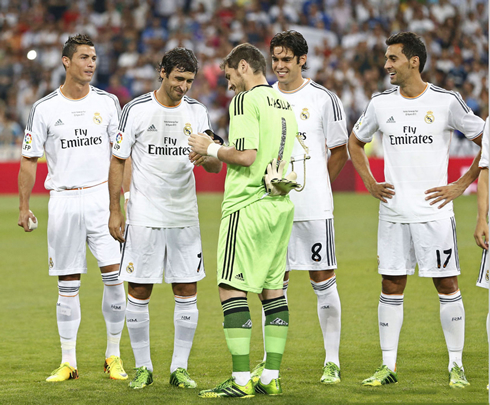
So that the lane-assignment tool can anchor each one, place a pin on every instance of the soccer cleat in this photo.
(257, 372)
(331, 374)
(230, 388)
(181, 378)
(62, 373)
(114, 366)
(457, 379)
(143, 378)
(273, 388)
(382, 376)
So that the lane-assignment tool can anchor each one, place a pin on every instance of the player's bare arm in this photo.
(27, 178)
(481, 231)
(199, 143)
(336, 161)
(126, 184)
(116, 218)
(454, 190)
(381, 191)
(210, 164)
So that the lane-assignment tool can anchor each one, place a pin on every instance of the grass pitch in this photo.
(30, 349)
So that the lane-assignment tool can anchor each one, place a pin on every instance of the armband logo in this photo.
(187, 129)
(305, 114)
(119, 138)
(486, 276)
(51, 263)
(97, 118)
(429, 117)
(28, 139)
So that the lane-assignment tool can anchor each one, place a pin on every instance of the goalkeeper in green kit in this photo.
(257, 217)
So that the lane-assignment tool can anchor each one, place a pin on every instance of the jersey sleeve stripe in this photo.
(337, 111)
(124, 117)
(452, 93)
(30, 120)
(238, 104)
(111, 96)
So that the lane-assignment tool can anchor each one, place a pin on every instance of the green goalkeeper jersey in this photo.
(260, 119)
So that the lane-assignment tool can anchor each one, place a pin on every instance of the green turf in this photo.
(29, 345)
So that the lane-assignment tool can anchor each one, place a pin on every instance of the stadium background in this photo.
(346, 55)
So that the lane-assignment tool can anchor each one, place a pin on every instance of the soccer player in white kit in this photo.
(162, 232)
(322, 126)
(417, 120)
(75, 126)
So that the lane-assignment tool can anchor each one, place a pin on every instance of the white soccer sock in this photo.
(268, 375)
(329, 312)
(241, 377)
(186, 316)
(285, 285)
(68, 316)
(113, 309)
(390, 318)
(138, 322)
(453, 321)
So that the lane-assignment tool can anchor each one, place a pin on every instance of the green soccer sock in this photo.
(275, 330)
(238, 331)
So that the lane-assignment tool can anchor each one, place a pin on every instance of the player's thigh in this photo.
(396, 254)
(312, 246)
(143, 255)
(483, 275)
(96, 217)
(436, 248)
(66, 234)
(184, 261)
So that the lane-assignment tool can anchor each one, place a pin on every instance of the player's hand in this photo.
(199, 143)
(196, 159)
(381, 191)
(444, 193)
(275, 184)
(23, 221)
(481, 234)
(117, 225)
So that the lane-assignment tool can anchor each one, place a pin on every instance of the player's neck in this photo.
(73, 90)
(292, 86)
(255, 80)
(413, 88)
(163, 98)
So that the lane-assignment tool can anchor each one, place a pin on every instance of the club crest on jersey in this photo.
(187, 129)
(28, 139)
(51, 263)
(130, 267)
(429, 117)
(97, 118)
(305, 114)
(119, 138)
(486, 275)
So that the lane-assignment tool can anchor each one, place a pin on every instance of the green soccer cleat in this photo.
(382, 376)
(114, 367)
(457, 379)
(257, 372)
(181, 378)
(143, 378)
(230, 389)
(62, 373)
(331, 374)
(273, 388)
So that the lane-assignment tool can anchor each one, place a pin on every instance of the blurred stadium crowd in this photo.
(346, 40)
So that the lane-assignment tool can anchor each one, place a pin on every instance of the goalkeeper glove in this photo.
(275, 184)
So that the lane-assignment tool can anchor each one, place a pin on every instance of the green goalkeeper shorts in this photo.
(253, 244)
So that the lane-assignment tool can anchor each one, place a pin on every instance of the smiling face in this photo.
(81, 67)
(287, 67)
(175, 86)
(400, 69)
(236, 82)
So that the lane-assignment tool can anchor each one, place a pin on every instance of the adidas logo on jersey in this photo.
(247, 324)
(279, 322)
(239, 277)
(391, 120)
(152, 128)
(59, 122)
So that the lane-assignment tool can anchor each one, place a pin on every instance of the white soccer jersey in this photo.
(485, 145)
(163, 191)
(416, 136)
(321, 124)
(75, 135)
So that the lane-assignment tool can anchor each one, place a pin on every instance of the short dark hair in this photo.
(181, 58)
(72, 44)
(412, 46)
(247, 52)
(292, 40)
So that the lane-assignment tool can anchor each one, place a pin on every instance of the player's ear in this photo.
(162, 73)
(243, 65)
(302, 60)
(415, 62)
(66, 61)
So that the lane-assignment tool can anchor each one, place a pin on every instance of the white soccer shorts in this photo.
(432, 245)
(312, 246)
(148, 253)
(484, 270)
(78, 217)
